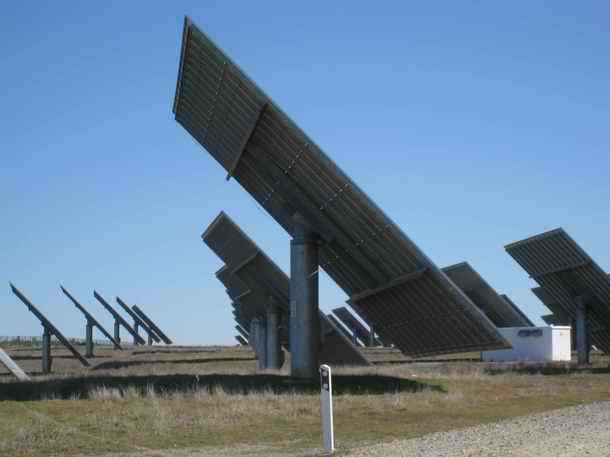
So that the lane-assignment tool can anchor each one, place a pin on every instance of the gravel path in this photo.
(577, 431)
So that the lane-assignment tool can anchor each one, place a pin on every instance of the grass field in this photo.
(119, 406)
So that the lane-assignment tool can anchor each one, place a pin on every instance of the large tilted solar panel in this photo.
(394, 285)
(264, 279)
(484, 296)
(564, 270)
(516, 309)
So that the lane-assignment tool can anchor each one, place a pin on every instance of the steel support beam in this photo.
(89, 339)
(117, 331)
(47, 360)
(582, 337)
(304, 302)
(274, 350)
(136, 327)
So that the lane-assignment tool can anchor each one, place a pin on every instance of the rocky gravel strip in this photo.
(576, 431)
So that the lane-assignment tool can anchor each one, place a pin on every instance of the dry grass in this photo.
(113, 420)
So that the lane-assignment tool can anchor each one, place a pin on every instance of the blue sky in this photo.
(472, 124)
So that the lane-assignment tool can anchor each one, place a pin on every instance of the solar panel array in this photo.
(266, 282)
(501, 313)
(387, 277)
(138, 320)
(564, 271)
(517, 310)
(117, 317)
(160, 333)
(46, 323)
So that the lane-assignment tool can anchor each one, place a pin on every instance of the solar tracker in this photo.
(11, 366)
(151, 324)
(49, 329)
(571, 278)
(242, 331)
(553, 319)
(241, 340)
(501, 313)
(137, 320)
(262, 277)
(515, 308)
(91, 322)
(353, 324)
(118, 321)
(394, 285)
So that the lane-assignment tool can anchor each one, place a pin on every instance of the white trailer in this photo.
(534, 344)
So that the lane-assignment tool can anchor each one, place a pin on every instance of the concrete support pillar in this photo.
(136, 328)
(47, 360)
(117, 331)
(150, 340)
(582, 337)
(89, 339)
(274, 357)
(304, 317)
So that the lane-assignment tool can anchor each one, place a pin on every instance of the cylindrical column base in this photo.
(582, 337)
(304, 308)
(47, 360)
(89, 340)
(274, 357)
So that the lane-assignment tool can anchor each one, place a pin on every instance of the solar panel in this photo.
(501, 313)
(265, 280)
(516, 309)
(339, 326)
(49, 326)
(388, 278)
(118, 318)
(137, 319)
(353, 324)
(241, 340)
(11, 366)
(565, 271)
(151, 324)
(553, 319)
(242, 331)
(91, 319)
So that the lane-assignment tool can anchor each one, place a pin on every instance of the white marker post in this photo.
(326, 396)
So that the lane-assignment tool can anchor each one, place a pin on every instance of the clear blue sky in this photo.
(472, 124)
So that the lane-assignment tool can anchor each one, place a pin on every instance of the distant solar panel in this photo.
(138, 320)
(353, 324)
(241, 340)
(501, 313)
(387, 277)
(49, 326)
(266, 281)
(553, 319)
(160, 333)
(118, 318)
(515, 308)
(339, 326)
(565, 271)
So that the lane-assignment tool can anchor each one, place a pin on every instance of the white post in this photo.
(326, 384)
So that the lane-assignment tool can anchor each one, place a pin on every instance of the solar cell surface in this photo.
(565, 271)
(501, 313)
(387, 277)
(267, 283)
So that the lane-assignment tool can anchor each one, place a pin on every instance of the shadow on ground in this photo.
(81, 387)
(114, 364)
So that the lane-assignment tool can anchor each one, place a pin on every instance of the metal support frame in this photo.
(136, 327)
(117, 331)
(273, 347)
(372, 339)
(583, 346)
(47, 360)
(149, 340)
(89, 339)
(304, 301)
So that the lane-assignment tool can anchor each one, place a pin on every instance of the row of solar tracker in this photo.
(140, 319)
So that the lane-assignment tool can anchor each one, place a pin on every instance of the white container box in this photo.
(533, 344)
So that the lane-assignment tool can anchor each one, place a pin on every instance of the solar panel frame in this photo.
(353, 324)
(564, 270)
(138, 320)
(363, 251)
(516, 308)
(12, 366)
(266, 281)
(118, 317)
(485, 297)
(166, 339)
